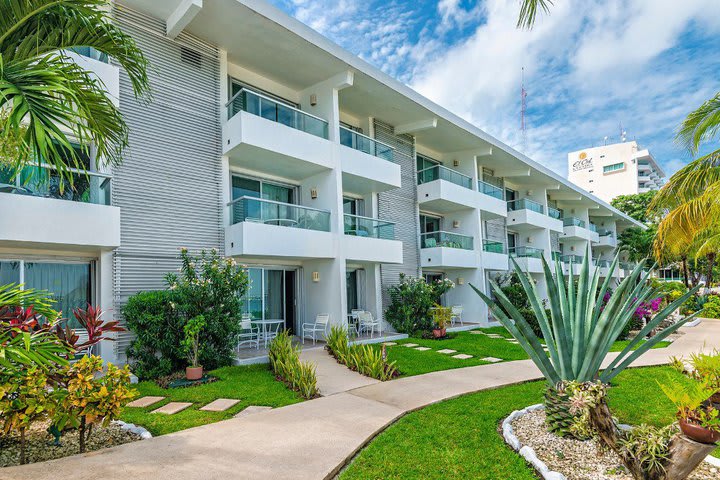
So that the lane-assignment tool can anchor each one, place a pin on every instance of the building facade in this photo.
(324, 176)
(617, 169)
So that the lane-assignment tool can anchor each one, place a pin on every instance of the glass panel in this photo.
(526, 204)
(493, 247)
(573, 222)
(526, 252)
(246, 209)
(350, 206)
(69, 284)
(429, 224)
(576, 259)
(252, 303)
(439, 172)
(555, 213)
(368, 227)
(512, 240)
(9, 272)
(446, 239)
(491, 190)
(352, 290)
(360, 142)
(245, 187)
(274, 293)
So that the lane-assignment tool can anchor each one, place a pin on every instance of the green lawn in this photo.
(414, 362)
(458, 438)
(252, 385)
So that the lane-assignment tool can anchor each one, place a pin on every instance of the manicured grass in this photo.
(252, 385)
(458, 438)
(414, 362)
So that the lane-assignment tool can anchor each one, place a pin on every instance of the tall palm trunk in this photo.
(686, 271)
(710, 266)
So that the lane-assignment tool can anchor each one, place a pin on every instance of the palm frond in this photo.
(700, 125)
(529, 10)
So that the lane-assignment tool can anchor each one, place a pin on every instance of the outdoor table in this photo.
(265, 328)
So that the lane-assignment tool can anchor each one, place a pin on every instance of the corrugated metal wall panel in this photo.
(169, 185)
(400, 206)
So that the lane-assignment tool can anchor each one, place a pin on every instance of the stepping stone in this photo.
(491, 359)
(422, 349)
(477, 332)
(446, 351)
(462, 356)
(220, 405)
(514, 341)
(144, 401)
(251, 410)
(172, 408)
(389, 344)
(410, 345)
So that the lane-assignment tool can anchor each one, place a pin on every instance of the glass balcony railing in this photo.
(440, 172)
(446, 239)
(363, 143)
(574, 259)
(92, 53)
(573, 222)
(269, 212)
(44, 181)
(592, 227)
(603, 263)
(556, 256)
(555, 213)
(368, 227)
(604, 232)
(492, 190)
(526, 204)
(265, 107)
(493, 247)
(526, 252)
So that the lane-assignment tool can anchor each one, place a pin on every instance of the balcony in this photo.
(448, 250)
(371, 240)
(606, 238)
(367, 164)
(264, 135)
(526, 214)
(494, 256)
(529, 259)
(576, 229)
(267, 229)
(443, 190)
(492, 200)
(604, 266)
(38, 209)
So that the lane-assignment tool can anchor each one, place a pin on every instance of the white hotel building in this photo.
(323, 175)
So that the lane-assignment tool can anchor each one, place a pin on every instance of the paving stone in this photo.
(172, 408)
(410, 345)
(389, 344)
(422, 349)
(446, 351)
(462, 356)
(514, 341)
(477, 332)
(144, 401)
(494, 335)
(220, 405)
(250, 410)
(491, 359)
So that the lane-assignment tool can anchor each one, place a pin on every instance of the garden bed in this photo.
(40, 444)
(576, 459)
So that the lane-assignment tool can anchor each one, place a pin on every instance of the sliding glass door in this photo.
(271, 295)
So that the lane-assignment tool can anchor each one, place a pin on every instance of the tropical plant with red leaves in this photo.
(96, 327)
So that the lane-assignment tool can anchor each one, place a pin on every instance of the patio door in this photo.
(272, 295)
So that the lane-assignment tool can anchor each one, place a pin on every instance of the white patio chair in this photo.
(249, 333)
(355, 324)
(320, 326)
(368, 323)
(456, 314)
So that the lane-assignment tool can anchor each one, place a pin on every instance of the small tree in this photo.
(191, 342)
(411, 301)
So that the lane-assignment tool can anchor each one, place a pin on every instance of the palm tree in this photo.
(46, 98)
(529, 10)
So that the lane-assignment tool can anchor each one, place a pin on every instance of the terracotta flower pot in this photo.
(438, 332)
(698, 433)
(193, 373)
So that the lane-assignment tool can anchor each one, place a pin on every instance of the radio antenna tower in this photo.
(523, 110)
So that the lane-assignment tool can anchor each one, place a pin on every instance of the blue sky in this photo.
(589, 66)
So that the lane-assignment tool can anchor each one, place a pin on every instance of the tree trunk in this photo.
(82, 435)
(709, 274)
(686, 272)
(23, 460)
(684, 454)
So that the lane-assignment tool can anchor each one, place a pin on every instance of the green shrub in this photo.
(411, 301)
(363, 359)
(711, 308)
(207, 285)
(285, 363)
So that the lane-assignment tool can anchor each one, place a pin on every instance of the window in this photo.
(424, 168)
(429, 224)
(510, 195)
(250, 187)
(614, 167)
(353, 206)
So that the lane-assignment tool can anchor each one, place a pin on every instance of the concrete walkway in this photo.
(310, 440)
(332, 377)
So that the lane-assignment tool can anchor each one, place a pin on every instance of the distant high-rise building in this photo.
(618, 169)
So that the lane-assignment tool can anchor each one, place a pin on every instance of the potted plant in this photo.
(706, 368)
(697, 417)
(191, 344)
(441, 317)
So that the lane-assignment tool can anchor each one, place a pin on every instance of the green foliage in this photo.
(442, 316)
(89, 398)
(207, 285)
(411, 303)
(635, 205)
(687, 397)
(637, 242)
(711, 308)
(44, 89)
(650, 445)
(706, 369)
(583, 325)
(191, 343)
(513, 289)
(363, 359)
(285, 363)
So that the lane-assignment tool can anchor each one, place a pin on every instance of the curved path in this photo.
(310, 440)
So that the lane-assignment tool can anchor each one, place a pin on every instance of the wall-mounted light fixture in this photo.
(315, 277)
(529, 240)
(572, 249)
(313, 100)
(456, 163)
(461, 281)
(456, 223)
(313, 193)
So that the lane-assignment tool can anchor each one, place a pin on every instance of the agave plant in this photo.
(582, 327)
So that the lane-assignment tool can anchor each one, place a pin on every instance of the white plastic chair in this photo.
(248, 333)
(456, 314)
(355, 324)
(310, 330)
(367, 322)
